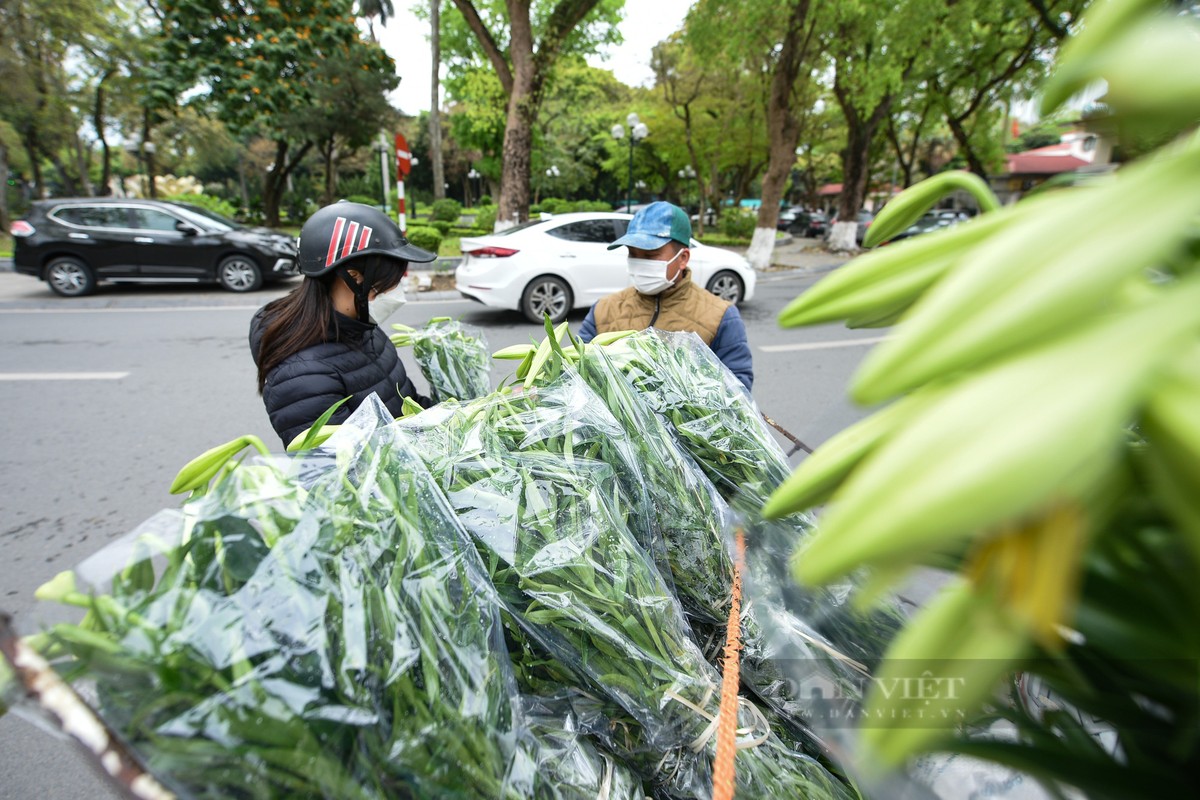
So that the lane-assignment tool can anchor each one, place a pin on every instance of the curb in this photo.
(427, 297)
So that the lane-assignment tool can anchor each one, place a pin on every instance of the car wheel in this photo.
(239, 274)
(70, 277)
(546, 295)
(727, 286)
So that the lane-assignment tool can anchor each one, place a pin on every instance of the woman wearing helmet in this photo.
(318, 344)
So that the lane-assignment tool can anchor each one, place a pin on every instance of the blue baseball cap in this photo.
(654, 226)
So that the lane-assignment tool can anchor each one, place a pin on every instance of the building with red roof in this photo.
(1023, 171)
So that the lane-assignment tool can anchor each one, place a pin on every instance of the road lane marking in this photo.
(788, 348)
(163, 309)
(177, 309)
(63, 376)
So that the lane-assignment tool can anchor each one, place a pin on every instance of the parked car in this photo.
(930, 221)
(813, 224)
(710, 217)
(864, 221)
(74, 243)
(562, 263)
(786, 217)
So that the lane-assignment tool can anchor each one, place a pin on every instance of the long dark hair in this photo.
(304, 316)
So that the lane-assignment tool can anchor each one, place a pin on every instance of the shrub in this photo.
(446, 209)
(485, 218)
(206, 201)
(737, 222)
(362, 198)
(721, 240)
(354, 184)
(484, 200)
(426, 238)
(553, 205)
(590, 205)
(442, 226)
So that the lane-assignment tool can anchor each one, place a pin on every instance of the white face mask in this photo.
(649, 276)
(384, 305)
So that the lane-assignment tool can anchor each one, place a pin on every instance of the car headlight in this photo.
(283, 247)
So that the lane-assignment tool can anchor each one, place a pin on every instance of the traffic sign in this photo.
(403, 157)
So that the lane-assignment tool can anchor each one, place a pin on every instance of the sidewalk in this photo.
(808, 255)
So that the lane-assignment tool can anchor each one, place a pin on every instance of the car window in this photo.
(619, 228)
(154, 220)
(595, 231)
(93, 216)
(209, 220)
(527, 224)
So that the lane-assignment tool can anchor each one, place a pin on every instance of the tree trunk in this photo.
(4, 212)
(330, 183)
(30, 139)
(70, 188)
(276, 180)
(964, 143)
(273, 185)
(83, 164)
(243, 189)
(856, 159)
(435, 113)
(521, 74)
(518, 127)
(98, 124)
(147, 155)
(783, 132)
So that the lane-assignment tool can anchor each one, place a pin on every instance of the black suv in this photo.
(71, 243)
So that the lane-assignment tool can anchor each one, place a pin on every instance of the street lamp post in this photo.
(637, 132)
(148, 148)
(473, 177)
(381, 147)
(687, 174)
(551, 174)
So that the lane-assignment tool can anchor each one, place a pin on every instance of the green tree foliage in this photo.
(872, 50)
(522, 40)
(37, 93)
(1042, 134)
(268, 72)
(778, 39)
(711, 119)
(984, 53)
(573, 131)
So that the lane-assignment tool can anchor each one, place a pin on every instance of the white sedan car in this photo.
(550, 266)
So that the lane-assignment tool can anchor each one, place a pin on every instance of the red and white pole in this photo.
(404, 162)
(400, 216)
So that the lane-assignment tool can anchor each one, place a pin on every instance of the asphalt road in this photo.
(106, 397)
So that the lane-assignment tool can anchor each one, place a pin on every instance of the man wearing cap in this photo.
(663, 294)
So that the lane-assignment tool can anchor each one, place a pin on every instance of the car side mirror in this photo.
(187, 229)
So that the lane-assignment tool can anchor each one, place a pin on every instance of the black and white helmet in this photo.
(344, 231)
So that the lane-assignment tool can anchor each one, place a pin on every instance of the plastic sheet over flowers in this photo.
(452, 356)
(323, 636)
(522, 474)
(797, 639)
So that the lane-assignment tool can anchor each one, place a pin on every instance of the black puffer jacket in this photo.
(356, 359)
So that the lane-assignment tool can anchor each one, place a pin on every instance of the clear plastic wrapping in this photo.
(798, 640)
(689, 514)
(584, 591)
(271, 640)
(486, 599)
(453, 357)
